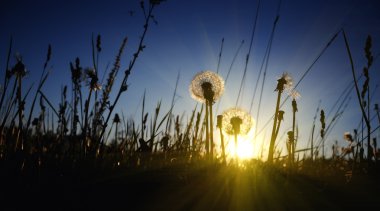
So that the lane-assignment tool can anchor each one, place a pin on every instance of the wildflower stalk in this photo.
(323, 125)
(124, 86)
(292, 144)
(76, 72)
(20, 71)
(280, 119)
(207, 130)
(110, 81)
(273, 137)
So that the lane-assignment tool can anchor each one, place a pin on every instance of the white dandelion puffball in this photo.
(231, 115)
(206, 77)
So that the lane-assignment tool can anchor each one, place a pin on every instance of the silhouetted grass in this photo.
(87, 162)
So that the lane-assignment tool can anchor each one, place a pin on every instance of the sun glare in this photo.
(245, 147)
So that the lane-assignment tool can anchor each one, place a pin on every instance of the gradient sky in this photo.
(187, 40)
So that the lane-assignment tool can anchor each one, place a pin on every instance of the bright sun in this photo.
(245, 147)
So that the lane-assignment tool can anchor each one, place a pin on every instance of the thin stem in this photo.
(6, 79)
(207, 130)
(222, 145)
(273, 137)
(211, 132)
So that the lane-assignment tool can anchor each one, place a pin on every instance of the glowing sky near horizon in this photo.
(187, 40)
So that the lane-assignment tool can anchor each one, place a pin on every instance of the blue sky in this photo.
(187, 40)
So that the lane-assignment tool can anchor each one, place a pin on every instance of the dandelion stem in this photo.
(273, 137)
(211, 133)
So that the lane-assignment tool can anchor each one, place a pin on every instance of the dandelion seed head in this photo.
(285, 82)
(237, 115)
(289, 81)
(206, 80)
(294, 94)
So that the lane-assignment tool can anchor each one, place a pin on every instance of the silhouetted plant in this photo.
(285, 82)
(148, 13)
(219, 125)
(292, 139)
(236, 122)
(323, 126)
(19, 71)
(76, 79)
(207, 87)
(44, 76)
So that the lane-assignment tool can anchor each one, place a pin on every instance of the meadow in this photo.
(80, 153)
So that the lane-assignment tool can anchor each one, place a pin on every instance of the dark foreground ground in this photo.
(188, 187)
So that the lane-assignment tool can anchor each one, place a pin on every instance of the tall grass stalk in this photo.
(7, 76)
(248, 54)
(167, 128)
(361, 103)
(44, 76)
(222, 146)
(229, 70)
(220, 55)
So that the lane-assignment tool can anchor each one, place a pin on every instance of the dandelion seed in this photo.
(19, 69)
